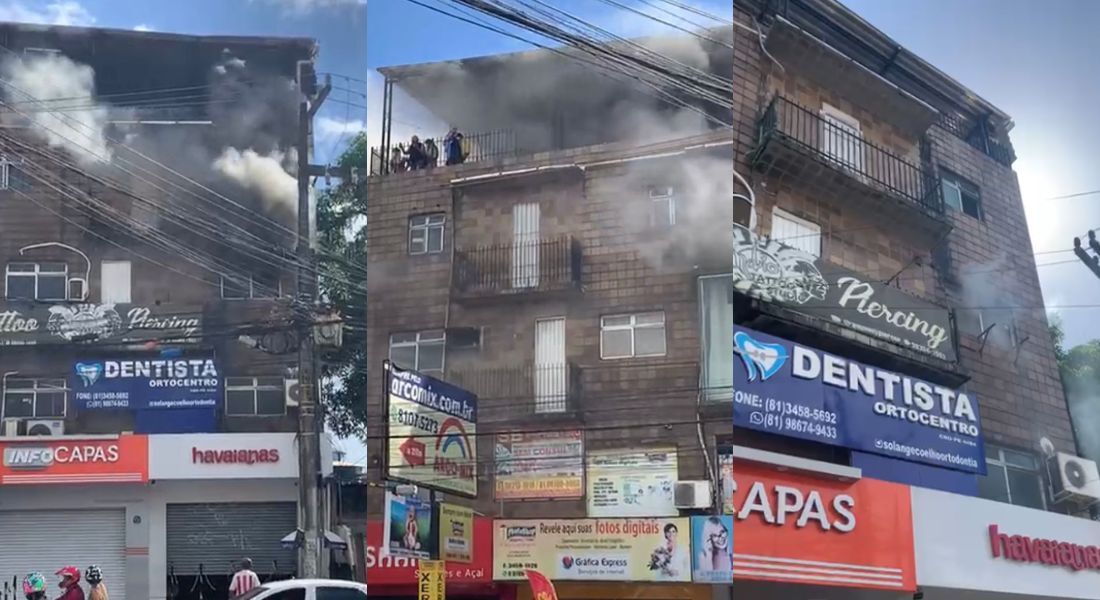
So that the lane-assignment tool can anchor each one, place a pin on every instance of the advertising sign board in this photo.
(628, 483)
(539, 465)
(124, 459)
(146, 384)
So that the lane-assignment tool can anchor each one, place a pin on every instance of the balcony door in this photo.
(551, 374)
(525, 245)
(842, 138)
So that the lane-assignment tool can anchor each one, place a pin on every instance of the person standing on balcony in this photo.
(397, 159)
(452, 146)
(431, 150)
(417, 156)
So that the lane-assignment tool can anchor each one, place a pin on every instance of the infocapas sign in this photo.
(1021, 548)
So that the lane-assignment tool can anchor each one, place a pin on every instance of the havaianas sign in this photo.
(775, 272)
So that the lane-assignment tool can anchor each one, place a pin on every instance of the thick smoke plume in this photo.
(262, 174)
(79, 126)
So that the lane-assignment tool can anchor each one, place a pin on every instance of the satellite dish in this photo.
(1047, 446)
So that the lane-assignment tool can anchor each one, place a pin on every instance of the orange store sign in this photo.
(802, 529)
(124, 459)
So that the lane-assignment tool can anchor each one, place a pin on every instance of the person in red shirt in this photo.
(243, 580)
(70, 582)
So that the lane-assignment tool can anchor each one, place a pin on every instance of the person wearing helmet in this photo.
(34, 586)
(97, 590)
(70, 582)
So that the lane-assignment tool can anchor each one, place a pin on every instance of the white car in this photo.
(307, 589)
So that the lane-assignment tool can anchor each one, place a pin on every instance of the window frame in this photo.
(1005, 465)
(251, 294)
(800, 222)
(255, 388)
(38, 384)
(657, 194)
(828, 115)
(632, 327)
(709, 392)
(426, 228)
(37, 274)
(964, 187)
(419, 341)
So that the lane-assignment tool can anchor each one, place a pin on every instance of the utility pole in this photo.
(310, 425)
(1092, 262)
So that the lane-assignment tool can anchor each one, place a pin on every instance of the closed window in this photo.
(426, 234)
(961, 195)
(245, 287)
(662, 202)
(1012, 477)
(716, 322)
(37, 281)
(796, 232)
(254, 396)
(419, 350)
(34, 398)
(114, 285)
(632, 336)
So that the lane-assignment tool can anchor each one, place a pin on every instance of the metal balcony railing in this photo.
(522, 390)
(844, 148)
(519, 267)
(476, 147)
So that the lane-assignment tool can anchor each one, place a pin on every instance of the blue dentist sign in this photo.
(146, 384)
(788, 389)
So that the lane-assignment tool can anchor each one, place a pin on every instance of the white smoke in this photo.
(53, 81)
(263, 174)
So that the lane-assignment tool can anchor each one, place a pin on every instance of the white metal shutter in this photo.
(46, 540)
(217, 536)
(842, 137)
(525, 248)
(114, 282)
(796, 233)
(551, 374)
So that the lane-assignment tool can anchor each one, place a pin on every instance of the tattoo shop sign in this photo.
(63, 323)
(773, 272)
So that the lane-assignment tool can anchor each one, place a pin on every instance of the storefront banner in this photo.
(29, 326)
(121, 459)
(632, 482)
(432, 433)
(223, 456)
(146, 384)
(593, 549)
(712, 549)
(456, 533)
(789, 389)
(541, 587)
(431, 580)
(801, 529)
(967, 543)
(408, 527)
(400, 571)
(539, 465)
(772, 271)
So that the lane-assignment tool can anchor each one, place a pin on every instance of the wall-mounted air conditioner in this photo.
(1073, 479)
(78, 289)
(293, 392)
(45, 427)
(692, 494)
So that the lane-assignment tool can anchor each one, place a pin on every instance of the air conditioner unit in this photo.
(293, 391)
(11, 427)
(78, 289)
(1073, 479)
(692, 494)
(45, 427)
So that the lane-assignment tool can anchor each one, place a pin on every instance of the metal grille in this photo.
(524, 266)
(217, 536)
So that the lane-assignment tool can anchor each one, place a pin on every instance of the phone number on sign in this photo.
(817, 429)
(805, 412)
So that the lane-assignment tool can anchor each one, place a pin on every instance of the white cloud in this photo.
(327, 128)
(143, 27)
(304, 6)
(57, 12)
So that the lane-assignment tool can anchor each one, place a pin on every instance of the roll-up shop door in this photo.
(46, 540)
(217, 536)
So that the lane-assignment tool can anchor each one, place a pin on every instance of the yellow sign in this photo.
(456, 533)
(431, 577)
(642, 549)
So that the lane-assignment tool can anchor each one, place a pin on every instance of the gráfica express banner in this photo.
(593, 549)
(146, 384)
(785, 388)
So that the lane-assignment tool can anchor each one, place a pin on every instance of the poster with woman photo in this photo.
(670, 559)
(712, 549)
(407, 527)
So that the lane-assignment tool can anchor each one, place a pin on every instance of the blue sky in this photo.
(337, 25)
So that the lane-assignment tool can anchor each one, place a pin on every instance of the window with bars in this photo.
(426, 234)
(255, 396)
(1012, 476)
(419, 350)
(37, 281)
(632, 336)
(34, 398)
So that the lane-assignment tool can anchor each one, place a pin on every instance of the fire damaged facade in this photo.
(147, 333)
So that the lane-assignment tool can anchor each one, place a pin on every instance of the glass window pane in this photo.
(431, 334)
(402, 338)
(52, 268)
(270, 382)
(235, 287)
(1025, 489)
(52, 287)
(49, 404)
(649, 341)
(615, 343)
(663, 213)
(650, 318)
(245, 382)
(431, 357)
(993, 486)
(18, 404)
(623, 321)
(435, 239)
(971, 205)
(239, 402)
(403, 356)
(21, 268)
(418, 221)
(435, 219)
(952, 197)
(1019, 459)
(716, 300)
(418, 241)
(270, 402)
(21, 286)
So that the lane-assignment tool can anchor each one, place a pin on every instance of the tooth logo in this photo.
(89, 372)
(757, 355)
